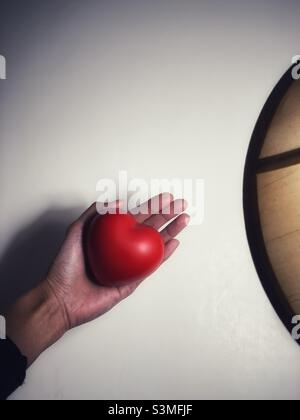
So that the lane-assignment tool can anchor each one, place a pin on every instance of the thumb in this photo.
(97, 208)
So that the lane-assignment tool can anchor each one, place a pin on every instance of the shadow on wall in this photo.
(30, 253)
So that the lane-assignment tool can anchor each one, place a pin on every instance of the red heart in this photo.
(122, 251)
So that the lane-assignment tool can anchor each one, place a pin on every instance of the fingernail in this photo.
(187, 219)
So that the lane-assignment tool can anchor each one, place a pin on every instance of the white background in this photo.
(160, 89)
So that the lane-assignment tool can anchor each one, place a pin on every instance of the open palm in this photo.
(80, 299)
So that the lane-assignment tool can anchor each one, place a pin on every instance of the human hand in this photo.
(80, 298)
(68, 297)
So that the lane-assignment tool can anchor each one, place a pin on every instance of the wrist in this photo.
(35, 322)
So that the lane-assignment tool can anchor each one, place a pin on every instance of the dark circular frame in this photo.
(260, 257)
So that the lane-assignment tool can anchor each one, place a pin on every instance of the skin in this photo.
(67, 297)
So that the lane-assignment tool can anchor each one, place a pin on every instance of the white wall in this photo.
(164, 89)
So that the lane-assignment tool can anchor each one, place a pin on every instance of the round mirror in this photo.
(272, 198)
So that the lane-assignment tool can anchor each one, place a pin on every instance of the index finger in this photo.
(152, 206)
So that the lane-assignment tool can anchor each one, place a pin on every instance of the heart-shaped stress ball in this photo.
(122, 251)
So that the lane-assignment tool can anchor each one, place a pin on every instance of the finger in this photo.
(170, 248)
(154, 205)
(78, 225)
(127, 290)
(111, 296)
(88, 214)
(174, 228)
(157, 221)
